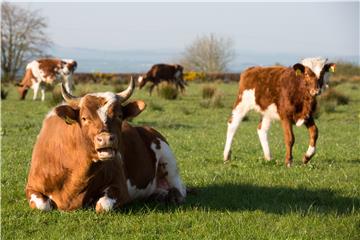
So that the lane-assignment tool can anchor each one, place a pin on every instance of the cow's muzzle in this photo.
(106, 146)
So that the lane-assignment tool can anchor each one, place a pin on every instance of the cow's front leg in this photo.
(39, 201)
(113, 197)
(289, 140)
(151, 88)
(313, 135)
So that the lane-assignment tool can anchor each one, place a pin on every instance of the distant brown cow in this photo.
(163, 72)
(284, 93)
(46, 71)
(88, 155)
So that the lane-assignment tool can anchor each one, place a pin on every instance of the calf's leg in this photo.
(289, 140)
(313, 135)
(263, 128)
(238, 114)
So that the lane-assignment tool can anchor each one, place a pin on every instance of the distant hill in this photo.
(94, 60)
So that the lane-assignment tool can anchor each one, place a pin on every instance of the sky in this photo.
(330, 28)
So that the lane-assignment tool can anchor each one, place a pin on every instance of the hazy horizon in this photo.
(295, 30)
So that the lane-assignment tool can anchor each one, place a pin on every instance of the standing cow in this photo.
(163, 72)
(40, 72)
(87, 154)
(284, 93)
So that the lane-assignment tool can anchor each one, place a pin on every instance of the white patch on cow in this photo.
(310, 151)
(262, 132)
(271, 112)
(40, 204)
(106, 203)
(110, 98)
(166, 156)
(177, 74)
(136, 193)
(140, 79)
(300, 122)
(316, 64)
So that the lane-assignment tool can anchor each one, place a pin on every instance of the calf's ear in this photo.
(299, 69)
(133, 109)
(67, 113)
(330, 67)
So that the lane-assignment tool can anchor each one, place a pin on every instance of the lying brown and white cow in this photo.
(46, 71)
(87, 154)
(163, 72)
(284, 93)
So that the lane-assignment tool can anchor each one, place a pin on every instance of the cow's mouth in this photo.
(106, 153)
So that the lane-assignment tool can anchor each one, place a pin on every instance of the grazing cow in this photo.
(284, 93)
(42, 71)
(88, 155)
(163, 72)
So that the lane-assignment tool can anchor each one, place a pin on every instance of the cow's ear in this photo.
(330, 67)
(299, 69)
(67, 113)
(133, 109)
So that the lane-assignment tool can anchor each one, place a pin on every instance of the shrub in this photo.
(208, 91)
(167, 91)
(56, 96)
(215, 101)
(333, 95)
(329, 101)
(192, 76)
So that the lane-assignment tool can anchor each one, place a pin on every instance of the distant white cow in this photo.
(42, 71)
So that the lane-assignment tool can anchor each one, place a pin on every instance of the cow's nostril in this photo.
(111, 138)
(99, 139)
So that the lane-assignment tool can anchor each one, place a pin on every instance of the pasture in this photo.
(245, 199)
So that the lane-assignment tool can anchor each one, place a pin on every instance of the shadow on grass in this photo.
(276, 200)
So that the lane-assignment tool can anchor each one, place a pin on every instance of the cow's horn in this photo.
(70, 99)
(124, 95)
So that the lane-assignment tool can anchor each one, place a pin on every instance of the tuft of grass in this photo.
(155, 107)
(167, 91)
(215, 101)
(118, 87)
(56, 96)
(208, 91)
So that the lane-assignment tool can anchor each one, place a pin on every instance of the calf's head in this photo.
(100, 116)
(321, 69)
(308, 77)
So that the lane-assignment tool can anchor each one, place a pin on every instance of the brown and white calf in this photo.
(87, 154)
(287, 94)
(40, 72)
(163, 72)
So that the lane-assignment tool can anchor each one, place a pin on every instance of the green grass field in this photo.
(245, 199)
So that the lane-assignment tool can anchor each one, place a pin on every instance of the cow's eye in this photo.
(119, 116)
(83, 119)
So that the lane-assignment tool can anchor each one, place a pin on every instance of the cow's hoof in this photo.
(105, 204)
(174, 196)
(300, 122)
(306, 159)
(288, 164)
